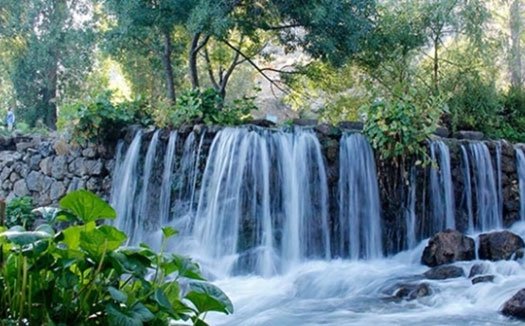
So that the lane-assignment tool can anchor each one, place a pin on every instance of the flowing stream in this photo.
(256, 208)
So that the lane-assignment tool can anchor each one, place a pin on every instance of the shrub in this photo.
(400, 126)
(83, 274)
(207, 106)
(19, 212)
(101, 120)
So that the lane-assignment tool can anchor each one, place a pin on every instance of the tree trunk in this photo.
(435, 77)
(168, 69)
(515, 65)
(49, 97)
(194, 50)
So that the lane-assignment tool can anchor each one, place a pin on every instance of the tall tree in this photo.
(516, 29)
(55, 40)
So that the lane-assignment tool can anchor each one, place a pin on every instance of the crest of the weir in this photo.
(255, 200)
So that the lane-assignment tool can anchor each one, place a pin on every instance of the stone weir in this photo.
(317, 190)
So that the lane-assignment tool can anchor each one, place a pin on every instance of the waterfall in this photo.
(167, 179)
(263, 200)
(487, 213)
(520, 163)
(410, 211)
(441, 188)
(359, 205)
(143, 211)
(124, 185)
(467, 190)
(499, 180)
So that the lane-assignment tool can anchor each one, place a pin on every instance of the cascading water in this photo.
(124, 187)
(410, 211)
(499, 176)
(467, 190)
(263, 200)
(359, 206)
(487, 214)
(260, 207)
(167, 179)
(520, 164)
(441, 188)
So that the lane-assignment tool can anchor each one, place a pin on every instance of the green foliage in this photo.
(19, 212)
(83, 274)
(101, 120)
(399, 127)
(208, 106)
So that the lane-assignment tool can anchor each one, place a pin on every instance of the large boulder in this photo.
(447, 247)
(502, 245)
(483, 279)
(515, 306)
(444, 272)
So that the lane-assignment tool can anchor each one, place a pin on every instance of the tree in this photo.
(54, 39)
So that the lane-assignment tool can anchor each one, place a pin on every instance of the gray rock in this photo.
(75, 184)
(34, 161)
(57, 190)
(46, 165)
(93, 167)
(515, 306)
(470, 135)
(412, 291)
(351, 125)
(442, 132)
(444, 272)
(14, 177)
(90, 152)
(59, 168)
(20, 147)
(478, 269)
(7, 158)
(20, 188)
(7, 185)
(45, 148)
(77, 167)
(6, 172)
(483, 279)
(502, 245)
(305, 122)
(34, 181)
(93, 184)
(447, 247)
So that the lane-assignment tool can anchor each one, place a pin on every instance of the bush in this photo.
(19, 212)
(101, 120)
(207, 106)
(400, 126)
(83, 275)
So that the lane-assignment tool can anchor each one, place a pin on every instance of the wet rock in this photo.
(470, 135)
(305, 122)
(442, 132)
(447, 247)
(262, 123)
(327, 130)
(351, 125)
(478, 269)
(501, 245)
(483, 279)
(412, 291)
(515, 306)
(444, 272)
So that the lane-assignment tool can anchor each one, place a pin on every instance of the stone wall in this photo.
(48, 168)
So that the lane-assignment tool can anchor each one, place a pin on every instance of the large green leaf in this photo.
(102, 239)
(117, 295)
(87, 206)
(207, 297)
(22, 238)
(184, 266)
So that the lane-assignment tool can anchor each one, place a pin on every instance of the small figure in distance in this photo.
(10, 119)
